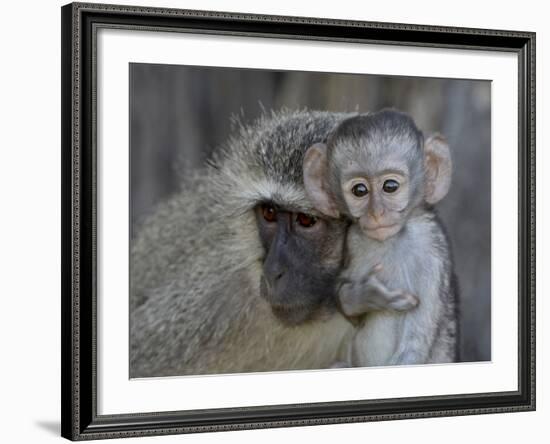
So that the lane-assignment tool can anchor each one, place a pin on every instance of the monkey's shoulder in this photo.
(420, 248)
(424, 232)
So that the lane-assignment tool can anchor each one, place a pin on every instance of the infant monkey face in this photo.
(378, 201)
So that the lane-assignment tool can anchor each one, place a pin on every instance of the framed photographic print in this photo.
(280, 221)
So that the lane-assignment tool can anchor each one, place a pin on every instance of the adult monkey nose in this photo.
(273, 273)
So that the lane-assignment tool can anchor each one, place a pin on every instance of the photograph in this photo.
(295, 220)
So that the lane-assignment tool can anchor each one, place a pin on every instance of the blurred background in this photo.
(178, 114)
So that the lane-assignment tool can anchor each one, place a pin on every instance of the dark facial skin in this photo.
(303, 259)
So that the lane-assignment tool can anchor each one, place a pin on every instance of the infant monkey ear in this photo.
(315, 168)
(438, 168)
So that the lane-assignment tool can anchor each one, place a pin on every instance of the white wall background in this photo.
(30, 220)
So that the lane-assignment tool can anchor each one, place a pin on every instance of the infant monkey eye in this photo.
(390, 186)
(360, 190)
(269, 212)
(305, 220)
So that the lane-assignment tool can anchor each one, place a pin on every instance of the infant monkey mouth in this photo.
(368, 229)
(380, 227)
(381, 232)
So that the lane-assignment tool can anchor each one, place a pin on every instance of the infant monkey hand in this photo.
(370, 294)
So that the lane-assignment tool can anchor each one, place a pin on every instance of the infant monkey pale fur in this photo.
(377, 170)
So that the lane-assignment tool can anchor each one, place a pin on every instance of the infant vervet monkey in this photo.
(377, 170)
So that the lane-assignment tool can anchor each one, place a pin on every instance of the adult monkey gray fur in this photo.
(377, 170)
(235, 273)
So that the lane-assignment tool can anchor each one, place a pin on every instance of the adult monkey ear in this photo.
(315, 169)
(438, 168)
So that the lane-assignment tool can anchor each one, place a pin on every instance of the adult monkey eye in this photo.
(305, 220)
(269, 212)
(360, 190)
(390, 186)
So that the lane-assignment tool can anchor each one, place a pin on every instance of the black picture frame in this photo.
(78, 332)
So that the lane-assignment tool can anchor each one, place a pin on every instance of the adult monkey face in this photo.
(259, 191)
(303, 258)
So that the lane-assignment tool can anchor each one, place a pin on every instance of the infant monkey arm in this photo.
(371, 294)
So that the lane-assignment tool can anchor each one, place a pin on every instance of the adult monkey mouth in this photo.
(290, 314)
(293, 314)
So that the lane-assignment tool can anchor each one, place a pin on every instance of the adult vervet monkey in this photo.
(377, 170)
(237, 272)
